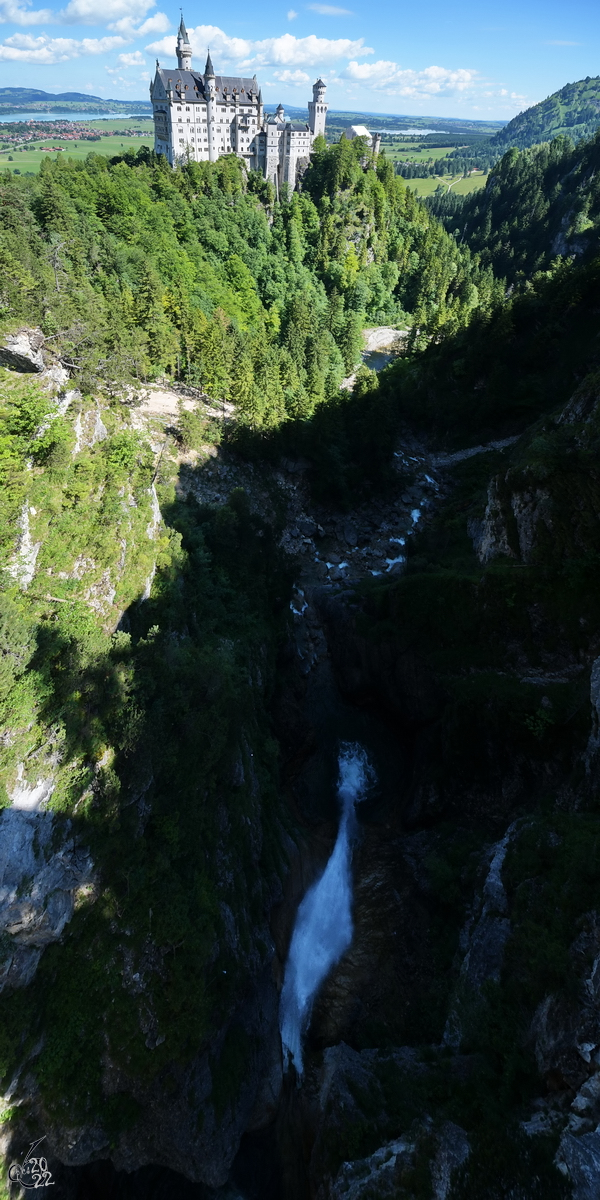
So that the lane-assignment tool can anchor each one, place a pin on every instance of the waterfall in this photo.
(323, 929)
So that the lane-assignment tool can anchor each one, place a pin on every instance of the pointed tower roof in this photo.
(209, 69)
(183, 33)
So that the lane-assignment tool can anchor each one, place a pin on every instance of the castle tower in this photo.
(211, 107)
(183, 49)
(317, 109)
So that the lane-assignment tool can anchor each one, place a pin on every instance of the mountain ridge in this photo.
(573, 110)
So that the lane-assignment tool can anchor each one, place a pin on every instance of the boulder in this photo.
(378, 1175)
(579, 1159)
(22, 351)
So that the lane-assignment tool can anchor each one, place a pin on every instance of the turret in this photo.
(317, 109)
(183, 49)
(211, 108)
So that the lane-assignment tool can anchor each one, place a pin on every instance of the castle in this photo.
(200, 117)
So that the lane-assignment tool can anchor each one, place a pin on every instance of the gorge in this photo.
(299, 684)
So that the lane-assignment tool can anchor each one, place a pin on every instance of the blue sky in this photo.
(463, 59)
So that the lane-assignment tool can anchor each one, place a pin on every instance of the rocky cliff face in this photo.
(42, 875)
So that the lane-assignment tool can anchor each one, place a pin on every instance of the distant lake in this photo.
(65, 116)
(414, 132)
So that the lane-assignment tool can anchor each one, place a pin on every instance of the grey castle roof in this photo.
(193, 85)
(209, 69)
(183, 33)
(293, 126)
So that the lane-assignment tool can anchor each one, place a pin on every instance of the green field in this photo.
(414, 151)
(426, 187)
(32, 155)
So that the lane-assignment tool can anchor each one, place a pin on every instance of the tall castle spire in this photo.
(184, 49)
(209, 69)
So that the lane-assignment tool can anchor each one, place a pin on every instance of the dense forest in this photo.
(538, 207)
(150, 679)
(200, 274)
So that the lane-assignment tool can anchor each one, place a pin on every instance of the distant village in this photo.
(18, 133)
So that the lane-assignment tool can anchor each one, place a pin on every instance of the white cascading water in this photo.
(323, 929)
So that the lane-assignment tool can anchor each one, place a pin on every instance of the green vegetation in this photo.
(448, 184)
(158, 272)
(161, 735)
(538, 205)
(573, 111)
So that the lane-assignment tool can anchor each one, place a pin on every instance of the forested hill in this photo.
(574, 110)
(33, 95)
(539, 204)
(199, 271)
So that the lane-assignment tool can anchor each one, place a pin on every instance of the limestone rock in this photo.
(490, 536)
(565, 1031)
(483, 940)
(530, 508)
(381, 1173)
(22, 351)
(37, 888)
(594, 739)
(378, 1175)
(579, 1159)
(452, 1150)
(524, 508)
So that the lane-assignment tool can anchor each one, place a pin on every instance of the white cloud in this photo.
(292, 14)
(123, 81)
(284, 51)
(330, 10)
(295, 77)
(159, 23)
(389, 77)
(104, 12)
(133, 59)
(22, 47)
(18, 14)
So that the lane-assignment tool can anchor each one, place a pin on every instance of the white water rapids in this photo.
(323, 929)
